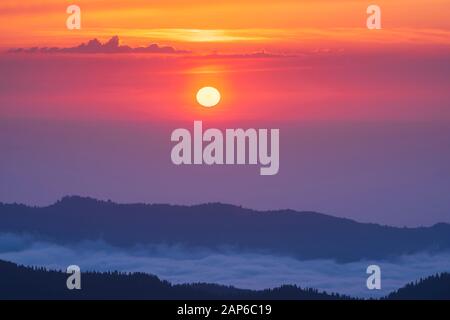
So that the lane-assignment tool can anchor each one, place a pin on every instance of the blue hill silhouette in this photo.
(436, 287)
(303, 235)
(19, 282)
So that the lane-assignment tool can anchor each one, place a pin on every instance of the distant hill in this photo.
(19, 282)
(304, 235)
(436, 287)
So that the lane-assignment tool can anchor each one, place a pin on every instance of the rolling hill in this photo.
(19, 282)
(303, 235)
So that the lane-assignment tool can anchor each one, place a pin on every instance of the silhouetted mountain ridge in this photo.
(20, 282)
(436, 287)
(303, 235)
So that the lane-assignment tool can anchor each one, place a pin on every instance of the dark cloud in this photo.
(95, 46)
(113, 46)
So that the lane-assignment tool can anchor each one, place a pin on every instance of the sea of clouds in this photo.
(179, 264)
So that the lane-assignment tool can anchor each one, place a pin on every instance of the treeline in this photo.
(436, 287)
(19, 282)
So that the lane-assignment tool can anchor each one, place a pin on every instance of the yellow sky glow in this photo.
(223, 22)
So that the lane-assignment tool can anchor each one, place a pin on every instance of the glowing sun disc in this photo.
(208, 96)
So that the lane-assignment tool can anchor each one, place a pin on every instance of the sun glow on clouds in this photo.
(199, 35)
(291, 38)
(223, 22)
(205, 41)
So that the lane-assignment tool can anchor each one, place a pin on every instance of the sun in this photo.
(208, 96)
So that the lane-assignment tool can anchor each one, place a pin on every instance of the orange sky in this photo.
(224, 24)
(364, 114)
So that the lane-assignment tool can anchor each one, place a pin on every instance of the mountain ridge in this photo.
(435, 287)
(24, 282)
(300, 234)
(75, 198)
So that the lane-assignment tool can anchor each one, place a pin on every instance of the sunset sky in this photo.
(364, 115)
(225, 24)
